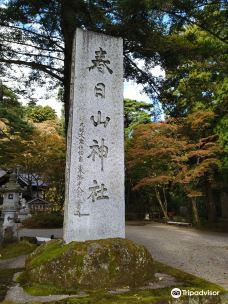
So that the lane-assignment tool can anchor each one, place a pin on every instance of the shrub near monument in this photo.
(90, 265)
(44, 220)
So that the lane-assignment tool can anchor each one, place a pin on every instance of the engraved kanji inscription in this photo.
(101, 151)
(80, 171)
(99, 90)
(99, 121)
(98, 192)
(79, 190)
(78, 213)
(100, 62)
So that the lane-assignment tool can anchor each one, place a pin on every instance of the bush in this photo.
(44, 220)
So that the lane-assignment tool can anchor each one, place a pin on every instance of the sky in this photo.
(131, 91)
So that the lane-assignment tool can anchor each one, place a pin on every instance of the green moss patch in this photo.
(129, 298)
(159, 296)
(91, 265)
(12, 250)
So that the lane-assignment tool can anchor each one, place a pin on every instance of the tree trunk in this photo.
(161, 204)
(211, 209)
(165, 200)
(68, 26)
(71, 18)
(195, 211)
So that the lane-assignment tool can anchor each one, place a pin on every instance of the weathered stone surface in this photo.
(102, 264)
(94, 204)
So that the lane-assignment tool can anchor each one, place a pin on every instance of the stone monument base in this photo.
(90, 265)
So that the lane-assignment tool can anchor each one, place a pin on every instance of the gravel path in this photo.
(204, 254)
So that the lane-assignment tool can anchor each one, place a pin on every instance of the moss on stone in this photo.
(90, 265)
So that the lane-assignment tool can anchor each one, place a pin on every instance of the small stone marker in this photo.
(94, 202)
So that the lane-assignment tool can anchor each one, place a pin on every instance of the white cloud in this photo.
(134, 91)
(2, 5)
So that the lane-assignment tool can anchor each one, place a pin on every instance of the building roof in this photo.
(34, 179)
(38, 200)
(24, 179)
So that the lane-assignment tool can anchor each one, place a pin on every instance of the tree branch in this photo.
(35, 55)
(150, 81)
(200, 25)
(29, 31)
(33, 46)
(35, 65)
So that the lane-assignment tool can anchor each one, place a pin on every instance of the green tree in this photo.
(40, 113)
(9, 98)
(200, 82)
(43, 33)
(135, 113)
(14, 128)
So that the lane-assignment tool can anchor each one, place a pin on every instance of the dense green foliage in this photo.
(151, 30)
(40, 114)
(135, 113)
(44, 220)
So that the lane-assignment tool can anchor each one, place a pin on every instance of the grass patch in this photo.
(6, 277)
(141, 297)
(160, 296)
(12, 250)
(45, 290)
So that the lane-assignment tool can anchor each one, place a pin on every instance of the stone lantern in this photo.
(11, 196)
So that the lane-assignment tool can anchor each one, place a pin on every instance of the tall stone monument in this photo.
(94, 205)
